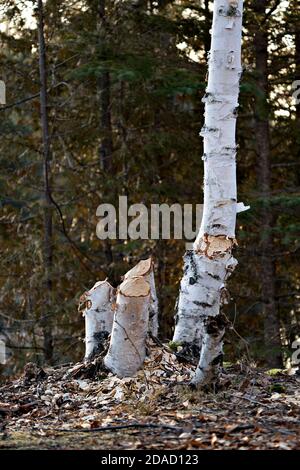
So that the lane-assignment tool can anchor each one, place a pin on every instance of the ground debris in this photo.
(84, 406)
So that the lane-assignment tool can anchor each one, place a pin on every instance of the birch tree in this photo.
(200, 321)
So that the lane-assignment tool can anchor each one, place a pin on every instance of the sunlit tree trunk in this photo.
(127, 348)
(200, 321)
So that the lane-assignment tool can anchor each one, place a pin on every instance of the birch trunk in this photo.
(127, 348)
(202, 291)
(99, 316)
(145, 269)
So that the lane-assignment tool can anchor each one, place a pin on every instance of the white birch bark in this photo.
(99, 316)
(145, 268)
(127, 348)
(207, 266)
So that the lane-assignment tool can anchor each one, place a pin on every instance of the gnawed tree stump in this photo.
(99, 316)
(127, 348)
(145, 269)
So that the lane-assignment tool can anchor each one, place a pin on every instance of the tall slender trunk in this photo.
(262, 135)
(104, 94)
(200, 321)
(106, 146)
(48, 235)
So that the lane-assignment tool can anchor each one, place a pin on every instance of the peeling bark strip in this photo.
(206, 268)
(145, 269)
(127, 348)
(99, 316)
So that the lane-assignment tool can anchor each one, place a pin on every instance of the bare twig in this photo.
(120, 427)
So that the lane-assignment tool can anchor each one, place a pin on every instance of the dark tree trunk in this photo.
(104, 93)
(262, 136)
(207, 26)
(106, 146)
(48, 241)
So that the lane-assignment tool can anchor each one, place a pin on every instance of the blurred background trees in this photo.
(124, 85)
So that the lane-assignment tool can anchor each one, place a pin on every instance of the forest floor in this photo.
(80, 407)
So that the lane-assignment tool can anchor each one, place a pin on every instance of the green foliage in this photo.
(174, 345)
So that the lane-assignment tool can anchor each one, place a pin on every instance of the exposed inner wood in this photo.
(135, 287)
(213, 246)
(141, 269)
(84, 301)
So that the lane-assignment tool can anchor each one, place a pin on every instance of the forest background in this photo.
(124, 86)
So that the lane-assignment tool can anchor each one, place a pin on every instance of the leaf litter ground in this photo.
(83, 407)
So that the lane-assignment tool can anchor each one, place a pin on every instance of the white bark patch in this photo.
(210, 263)
(127, 348)
(145, 268)
(98, 315)
(200, 291)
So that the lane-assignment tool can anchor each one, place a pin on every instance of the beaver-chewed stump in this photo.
(127, 348)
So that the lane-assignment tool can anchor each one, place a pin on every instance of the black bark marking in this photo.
(218, 360)
(214, 276)
(214, 325)
(102, 343)
(202, 304)
(189, 352)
